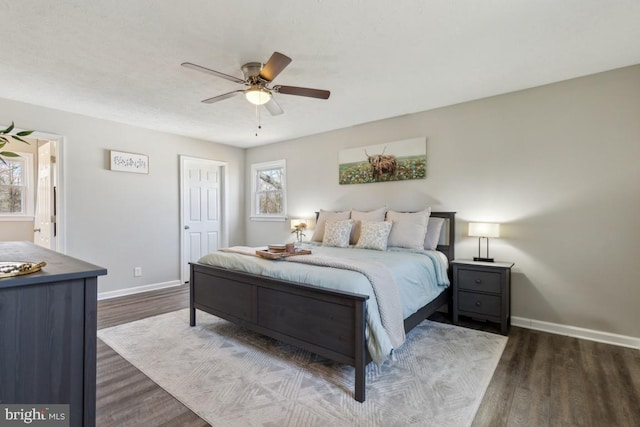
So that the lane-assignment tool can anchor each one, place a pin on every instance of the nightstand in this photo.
(482, 290)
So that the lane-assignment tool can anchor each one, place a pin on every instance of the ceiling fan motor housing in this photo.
(251, 70)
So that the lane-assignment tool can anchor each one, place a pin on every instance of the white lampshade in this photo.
(484, 229)
(257, 95)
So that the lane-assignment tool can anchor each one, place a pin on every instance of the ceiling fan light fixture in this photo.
(257, 95)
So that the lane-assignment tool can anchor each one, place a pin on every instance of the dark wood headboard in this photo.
(449, 233)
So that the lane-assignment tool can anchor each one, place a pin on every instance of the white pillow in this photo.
(434, 228)
(374, 235)
(323, 217)
(359, 216)
(409, 228)
(337, 233)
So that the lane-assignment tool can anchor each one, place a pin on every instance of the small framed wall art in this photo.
(129, 162)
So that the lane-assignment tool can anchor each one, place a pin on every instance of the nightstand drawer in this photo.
(479, 303)
(474, 280)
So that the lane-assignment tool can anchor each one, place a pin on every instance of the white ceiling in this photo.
(120, 60)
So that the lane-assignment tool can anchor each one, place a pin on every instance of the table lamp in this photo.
(483, 230)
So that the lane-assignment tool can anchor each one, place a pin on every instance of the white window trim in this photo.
(255, 168)
(30, 190)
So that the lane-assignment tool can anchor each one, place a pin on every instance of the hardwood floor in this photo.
(124, 395)
(552, 380)
(542, 379)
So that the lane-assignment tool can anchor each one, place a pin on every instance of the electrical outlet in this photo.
(137, 272)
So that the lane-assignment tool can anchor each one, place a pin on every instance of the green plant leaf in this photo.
(19, 139)
(4, 139)
(9, 129)
(25, 133)
(9, 154)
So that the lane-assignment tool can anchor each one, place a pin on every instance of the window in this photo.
(16, 187)
(268, 191)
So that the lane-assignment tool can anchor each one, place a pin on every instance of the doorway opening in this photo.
(48, 224)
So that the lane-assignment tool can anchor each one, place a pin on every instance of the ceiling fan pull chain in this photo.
(258, 125)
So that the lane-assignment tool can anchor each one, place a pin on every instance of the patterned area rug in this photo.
(232, 377)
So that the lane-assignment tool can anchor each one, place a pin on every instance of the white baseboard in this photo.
(576, 332)
(137, 289)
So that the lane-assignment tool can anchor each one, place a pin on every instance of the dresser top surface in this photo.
(58, 267)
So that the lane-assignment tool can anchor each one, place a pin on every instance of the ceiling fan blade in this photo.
(212, 72)
(273, 107)
(274, 66)
(222, 97)
(303, 91)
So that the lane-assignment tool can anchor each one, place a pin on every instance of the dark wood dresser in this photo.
(48, 332)
(482, 290)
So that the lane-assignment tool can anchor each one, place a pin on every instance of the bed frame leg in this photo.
(360, 384)
(360, 356)
(192, 308)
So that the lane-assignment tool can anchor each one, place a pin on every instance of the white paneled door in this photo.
(201, 209)
(44, 224)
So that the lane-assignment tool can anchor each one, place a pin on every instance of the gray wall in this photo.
(556, 165)
(123, 220)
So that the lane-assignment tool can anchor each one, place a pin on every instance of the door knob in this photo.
(186, 227)
(36, 230)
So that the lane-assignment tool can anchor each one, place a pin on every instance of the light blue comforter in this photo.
(420, 276)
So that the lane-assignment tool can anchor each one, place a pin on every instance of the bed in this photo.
(331, 323)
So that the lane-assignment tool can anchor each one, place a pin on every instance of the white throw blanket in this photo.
(244, 250)
(383, 284)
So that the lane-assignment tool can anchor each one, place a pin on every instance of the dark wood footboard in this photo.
(323, 321)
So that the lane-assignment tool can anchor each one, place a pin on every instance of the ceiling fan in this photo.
(257, 78)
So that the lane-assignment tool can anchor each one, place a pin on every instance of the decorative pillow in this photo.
(409, 228)
(434, 228)
(337, 233)
(374, 235)
(323, 217)
(359, 216)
